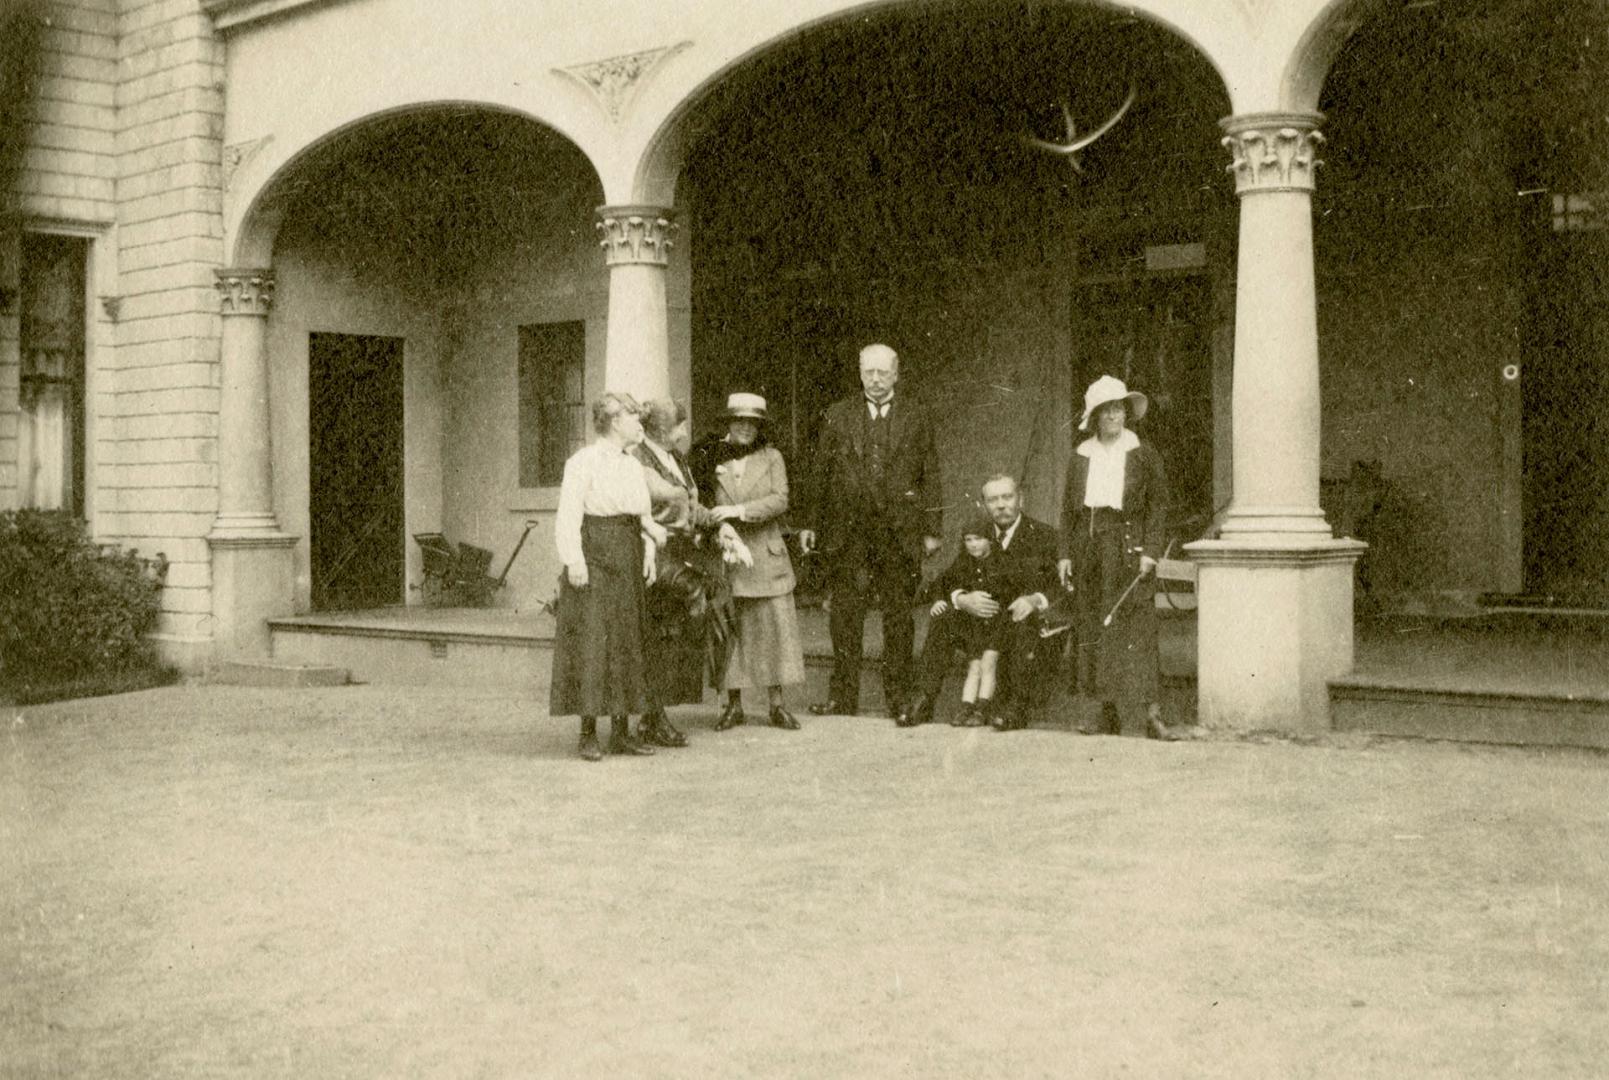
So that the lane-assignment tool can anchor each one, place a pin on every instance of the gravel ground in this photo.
(205, 881)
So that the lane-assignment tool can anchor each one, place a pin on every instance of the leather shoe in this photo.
(915, 714)
(622, 741)
(832, 707)
(657, 730)
(971, 716)
(731, 717)
(784, 719)
(1156, 729)
(1111, 721)
(1009, 721)
(589, 748)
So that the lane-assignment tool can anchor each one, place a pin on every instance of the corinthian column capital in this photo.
(1273, 151)
(246, 292)
(635, 235)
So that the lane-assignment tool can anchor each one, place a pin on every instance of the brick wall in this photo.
(162, 491)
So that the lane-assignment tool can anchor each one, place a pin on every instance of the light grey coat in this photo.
(762, 492)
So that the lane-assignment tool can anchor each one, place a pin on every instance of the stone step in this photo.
(390, 657)
(1400, 707)
(279, 674)
(422, 655)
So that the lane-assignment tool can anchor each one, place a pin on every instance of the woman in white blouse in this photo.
(1113, 518)
(606, 538)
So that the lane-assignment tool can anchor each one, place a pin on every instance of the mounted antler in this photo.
(1076, 144)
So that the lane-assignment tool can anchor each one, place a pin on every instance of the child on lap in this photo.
(978, 568)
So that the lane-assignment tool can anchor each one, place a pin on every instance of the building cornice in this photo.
(228, 14)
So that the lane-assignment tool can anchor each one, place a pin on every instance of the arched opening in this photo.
(438, 315)
(869, 180)
(1463, 282)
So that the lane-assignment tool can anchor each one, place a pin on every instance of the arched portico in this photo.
(1276, 565)
(631, 115)
(1223, 35)
(440, 250)
(862, 182)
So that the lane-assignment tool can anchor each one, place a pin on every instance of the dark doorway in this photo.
(870, 181)
(1566, 414)
(1155, 333)
(355, 466)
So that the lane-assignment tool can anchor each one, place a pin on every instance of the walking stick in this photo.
(1110, 615)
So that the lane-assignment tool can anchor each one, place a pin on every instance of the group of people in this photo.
(677, 572)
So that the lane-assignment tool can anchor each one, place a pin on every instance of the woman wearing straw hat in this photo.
(751, 491)
(606, 538)
(1112, 525)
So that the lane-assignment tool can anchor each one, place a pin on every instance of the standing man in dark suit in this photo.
(878, 513)
(1029, 549)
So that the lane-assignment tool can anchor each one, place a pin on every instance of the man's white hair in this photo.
(879, 352)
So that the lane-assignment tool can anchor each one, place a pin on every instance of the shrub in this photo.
(68, 607)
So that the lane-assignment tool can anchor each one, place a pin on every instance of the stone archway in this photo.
(868, 180)
(453, 232)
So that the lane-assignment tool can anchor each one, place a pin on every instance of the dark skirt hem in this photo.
(597, 647)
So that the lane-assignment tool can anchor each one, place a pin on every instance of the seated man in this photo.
(1029, 549)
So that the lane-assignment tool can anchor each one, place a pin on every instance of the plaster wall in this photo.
(1413, 342)
(557, 275)
(340, 285)
(1420, 224)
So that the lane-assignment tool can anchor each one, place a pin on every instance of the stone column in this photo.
(251, 557)
(1275, 590)
(636, 248)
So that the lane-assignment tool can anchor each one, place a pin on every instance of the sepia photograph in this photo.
(804, 538)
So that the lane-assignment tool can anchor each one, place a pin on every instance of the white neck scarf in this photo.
(1107, 465)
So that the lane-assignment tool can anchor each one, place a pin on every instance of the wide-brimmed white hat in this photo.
(745, 407)
(1104, 391)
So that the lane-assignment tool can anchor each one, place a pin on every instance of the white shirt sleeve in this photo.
(572, 507)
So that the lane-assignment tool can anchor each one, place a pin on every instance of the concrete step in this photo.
(519, 660)
(279, 674)
(421, 657)
(1424, 710)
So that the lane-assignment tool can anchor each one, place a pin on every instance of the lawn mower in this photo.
(457, 575)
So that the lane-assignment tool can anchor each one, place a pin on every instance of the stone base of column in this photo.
(190, 653)
(1277, 523)
(252, 582)
(1274, 625)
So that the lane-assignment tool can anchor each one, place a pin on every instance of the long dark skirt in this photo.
(1116, 663)
(597, 653)
(682, 616)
